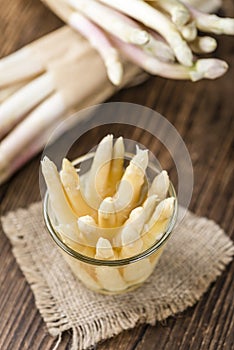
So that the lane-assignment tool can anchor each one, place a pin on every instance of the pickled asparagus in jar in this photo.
(112, 221)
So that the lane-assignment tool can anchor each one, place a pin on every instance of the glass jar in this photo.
(110, 276)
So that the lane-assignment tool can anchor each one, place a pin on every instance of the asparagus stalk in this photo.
(203, 68)
(89, 230)
(116, 168)
(128, 194)
(110, 20)
(94, 35)
(36, 145)
(131, 242)
(189, 31)
(97, 181)
(137, 219)
(22, 101)
(160, 185)
(179, 13)
(154, 19)
(106, 213)
(58, 199)
(157, 223)
(110, 279)
(71, 184)
(8, 169)
(157, 47)
(84, 274)
(14, 70)
(6, 92)
(149, 206)
(104, 249)
(163, 211)
(212, 23)
(138, 271)
(51, 109)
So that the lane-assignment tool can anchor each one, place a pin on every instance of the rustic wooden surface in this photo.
(203, 114)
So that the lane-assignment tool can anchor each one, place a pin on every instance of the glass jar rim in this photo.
(98, 262)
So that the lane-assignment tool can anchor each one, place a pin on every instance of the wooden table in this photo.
(203, 114)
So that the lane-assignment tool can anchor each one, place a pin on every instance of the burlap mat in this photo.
(195, 255)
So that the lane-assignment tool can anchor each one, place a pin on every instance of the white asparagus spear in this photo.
(22, 101)
(149, 206)
(14, 68)
(104, 249)
(6, 92)
(159, 48)
(106, 213)
(110, 20)
(163, 211)
(84, 274)
(189, 31)
(209, 68)
(89, 230)
(51, 109)
(97, 180)
(158, 222)
(37, 144)
(110, 279)
(203, 44)
(137, 219)
(8, 169)
(154, 19)
(160, 185)
(179, 13)
(131, 242)
(94, 34)
(116, 168)
(128, 194)
(58, 199)
(212, 23)
(71, 184)
(137, 272)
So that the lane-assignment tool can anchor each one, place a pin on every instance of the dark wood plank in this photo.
(203, 114)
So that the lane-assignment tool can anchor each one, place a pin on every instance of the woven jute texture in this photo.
(195, 256)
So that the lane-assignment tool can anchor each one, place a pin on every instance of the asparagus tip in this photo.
(210, 68)
(141, 158)
(184, 54)
(107, 206)
(129, 235)
(139, 37)
(208, 44)
(115, 72)
(180, 17)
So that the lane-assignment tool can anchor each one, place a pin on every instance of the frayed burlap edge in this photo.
(85, 336)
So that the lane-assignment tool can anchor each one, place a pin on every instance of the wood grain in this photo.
(203, 114)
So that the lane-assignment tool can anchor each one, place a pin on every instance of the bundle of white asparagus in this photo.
(107, 215)
(159, 36)
(41, 83)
